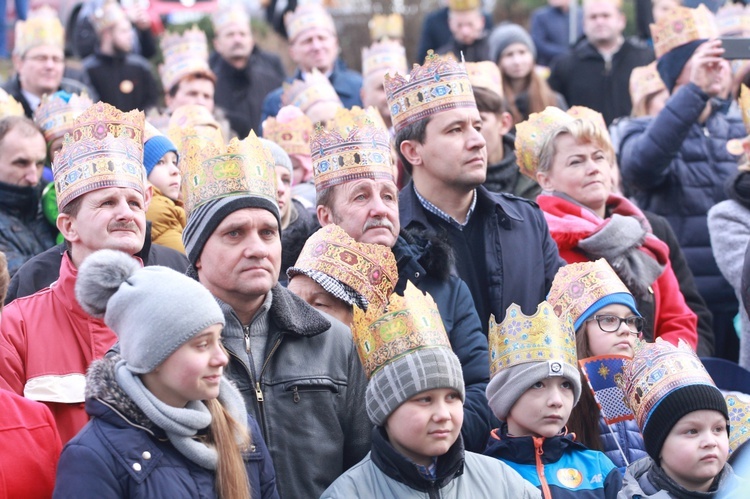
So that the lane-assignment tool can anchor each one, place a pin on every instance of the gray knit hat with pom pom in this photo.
(153, 310)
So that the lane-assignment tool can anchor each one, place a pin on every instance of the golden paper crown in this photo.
(729, 22)
(645, 81)
(485, 74)
(738, 407)
(683, 25)
(306, 17)
(315, 88)
(103, 149)
(184, 55)
(530, 135)
(369, 269)
(382, 57)
(438, 85)
(107, 15)
(521, 339)
(212, 171)
(386, 26)
(744, 102)
(233, 13)
(588, 114)
(55, 116)
(9, 106)
(42, 27)
(656, 370)
(346, 120)
(357, 148)
(293, 136)
(193, 120)
(409, 323)
(459, 5)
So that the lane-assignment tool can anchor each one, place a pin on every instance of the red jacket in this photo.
(47, 342)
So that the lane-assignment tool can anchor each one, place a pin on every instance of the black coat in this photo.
(124, 81)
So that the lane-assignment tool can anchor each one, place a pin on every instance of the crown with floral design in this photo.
(440, 84)
(9, 106)
(42, 27)
(104, 148)
(308, 16)
(107, 15)
(316, 87)
(521, 339)
(459, 5)
(645, 81)
(196, 121)
(230, 13)
(485, 74)
(656, 370)
(683, 25)
(293, 136)
(184, 54)
(211, 171)
(57, 113)
(346, 120)
(530, 135)
(381, 57)
(390, 26)
(738, 407)
(408, 323)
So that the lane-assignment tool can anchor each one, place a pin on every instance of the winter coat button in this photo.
(146, 455)
(137, 466)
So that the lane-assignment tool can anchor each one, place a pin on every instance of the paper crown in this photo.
(212, 171)
(382, 57)
(57, 113)
(193, 120)
(42, 27)
(346, 120)
(184, 54)
(389, 26)
(464, 4)
(409, 323)
(306, 17)
(645, 81)
(486, 75)
(744, 102)
(738, 407)
(107, 15)
(588, 114)
(356, 148)
(9, 106)
(369, 269)
(655, 371)
(521, 339)
(683, 25)
(530, 135)
(293, 136)
(231, 13)
(315, 88)
(578, 286)
(104, 148)
(438, 85)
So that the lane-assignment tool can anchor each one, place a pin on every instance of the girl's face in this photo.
(619, 342)
(166, 176)
(516, 61)
(543, 410)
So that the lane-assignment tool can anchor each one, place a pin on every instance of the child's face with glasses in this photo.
(613, 330)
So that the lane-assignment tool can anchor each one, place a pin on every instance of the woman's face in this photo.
(516, 61)
(581, 170)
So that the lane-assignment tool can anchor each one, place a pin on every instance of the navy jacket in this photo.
(550, 30)
(628, 436)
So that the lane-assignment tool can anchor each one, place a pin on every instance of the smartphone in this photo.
(736, 48)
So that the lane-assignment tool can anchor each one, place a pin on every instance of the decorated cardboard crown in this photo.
(184, 54)
(104, 148)
(42, 27)
(382, 57)
(738, 406)
(304, 94)
(530, 135)
(293, 136)
(588, 114)
(390, 26)
(485, 74)
(230, 13)
(9, 106)
(645, 81)
(356, 147)
(683, 25)
(438, 85)
(409, 323)
(308, 16)
(655, 371)
(211, 171)
(57, 113)
(193, 120)
(106, 16)
(744, 102)
(521, 339)
(369, 269)
(346, 120)
(459, 5)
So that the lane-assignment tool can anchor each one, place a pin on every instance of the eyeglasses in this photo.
(612, 323)
(42, 59)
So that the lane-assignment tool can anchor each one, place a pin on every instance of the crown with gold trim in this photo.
(390, 26)
(409, 323)
(196, 121)
(683, 25)
(346, 120)
(42, 27)
(521, 339)
(645, 81)
(233, 13)
(459, 5)
(57, 113)
(306, 17)
(184, 54)
(304, 94)
(485, 74)
(293, 136)
(530, 135)
(357, 147)
(588, 114)
(212, 171)
(107, 15)
(381, 57)
(656, 370)
(369, 269)
(9, 106)
(738, 407)
(438, 85)
(104, 148)
(744, 102)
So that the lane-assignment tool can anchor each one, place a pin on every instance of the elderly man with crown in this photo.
(676, 163)
(296, 368)
(356, 189)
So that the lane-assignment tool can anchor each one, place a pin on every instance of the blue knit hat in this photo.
(154, 149)
(625, 299)
(670, 65)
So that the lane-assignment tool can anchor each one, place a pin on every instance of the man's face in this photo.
(234, 43)
(320, 299)
(315, 48)
(373, 94)
(199, 91)
(603, 23)
(467, 26)
(40, 69)
(22, 158)
(366, 209)
(122, 36)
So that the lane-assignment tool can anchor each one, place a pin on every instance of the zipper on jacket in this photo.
(246, 330)
(261, 419)
(538, 441)
(258, 389)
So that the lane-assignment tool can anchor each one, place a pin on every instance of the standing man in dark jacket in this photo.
(467, 25)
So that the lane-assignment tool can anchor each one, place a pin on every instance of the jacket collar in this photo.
(522, 450)
(22, 202)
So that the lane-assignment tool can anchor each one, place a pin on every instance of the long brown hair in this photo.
(539, 92)
(231, 474)
(584, 418)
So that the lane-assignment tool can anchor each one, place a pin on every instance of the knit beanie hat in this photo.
(280, 157)
(153, 310)
(154, 149)
(670, 65)
(506, 35)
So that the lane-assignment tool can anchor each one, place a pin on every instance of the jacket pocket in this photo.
(301, 388)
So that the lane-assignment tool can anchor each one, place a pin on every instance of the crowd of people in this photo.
(478, 277)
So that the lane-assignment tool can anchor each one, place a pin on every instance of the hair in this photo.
(231, 474)
(413, 131)
(199, 75)
(489, 101)
(539, 92)
(325, 197)
(584, 418)
(21, 123)
(581, 130)
(4, 279)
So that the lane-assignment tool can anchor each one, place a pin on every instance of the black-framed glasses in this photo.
(611, 323)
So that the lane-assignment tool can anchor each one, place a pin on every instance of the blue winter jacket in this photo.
(677, 168)
(628, 436)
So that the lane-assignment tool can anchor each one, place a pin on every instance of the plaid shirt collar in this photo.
(443, 215)
(428, 472)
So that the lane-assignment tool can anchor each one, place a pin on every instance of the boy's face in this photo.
(543, 410)
(696, 449)
(166, 176)
(426, 425)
